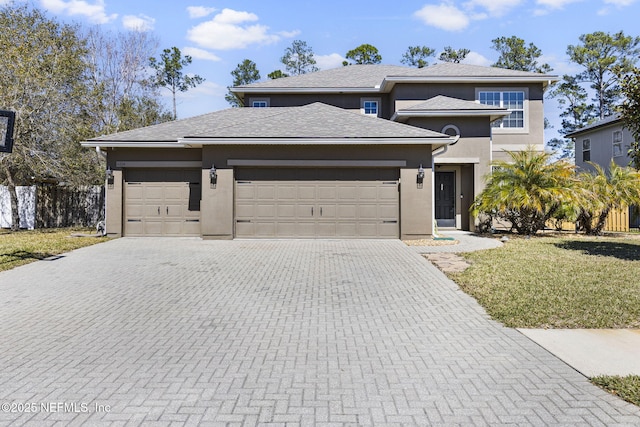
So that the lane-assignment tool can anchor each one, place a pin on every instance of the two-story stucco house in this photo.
(601, 142)
(363, 151)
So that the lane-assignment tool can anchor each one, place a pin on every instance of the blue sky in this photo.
(220, 34)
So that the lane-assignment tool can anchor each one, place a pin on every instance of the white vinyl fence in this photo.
(26, 207)
(51, 206)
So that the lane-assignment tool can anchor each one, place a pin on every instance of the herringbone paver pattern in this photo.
(190, 332)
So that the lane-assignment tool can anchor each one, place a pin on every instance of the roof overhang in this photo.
(203, 141)
(286, 90)
(198, 142)
(404, 115)
(132, 144)
(390, 81)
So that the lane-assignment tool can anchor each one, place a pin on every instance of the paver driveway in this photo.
(300, 332)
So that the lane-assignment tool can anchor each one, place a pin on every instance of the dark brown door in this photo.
(445, 190)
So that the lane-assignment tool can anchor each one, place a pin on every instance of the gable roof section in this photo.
(381, 78)
(607, 121)
(315, 123)
(440, 106)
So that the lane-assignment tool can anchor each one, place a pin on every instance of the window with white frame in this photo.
(370, 106)
(259, 103)
(512, 101)
(586, 150)
(617, 143)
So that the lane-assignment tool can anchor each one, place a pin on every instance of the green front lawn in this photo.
(569, 281)
(627, 388)
(25, 246)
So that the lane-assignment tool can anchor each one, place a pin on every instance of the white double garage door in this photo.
(274, 203)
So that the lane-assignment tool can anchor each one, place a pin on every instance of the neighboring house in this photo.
(359, 151)
(601, 142)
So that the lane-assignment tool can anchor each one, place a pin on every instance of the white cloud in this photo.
(555, 4)
(138, 23)
(325, 62)
(231, 29)
(200, 11)
(289, 34)
(494, 7)
(444, 16)
(95, 12)
(620, 3)
(198, 53)
(206, 88)
(474, 58)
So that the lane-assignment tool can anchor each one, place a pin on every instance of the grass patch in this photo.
(558, 282)
(627, 388)
(25, 246)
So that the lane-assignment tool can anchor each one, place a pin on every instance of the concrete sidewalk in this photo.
(592, 352)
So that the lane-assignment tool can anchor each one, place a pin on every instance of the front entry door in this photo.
(445, 190)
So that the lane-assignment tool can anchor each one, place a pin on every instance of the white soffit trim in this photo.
(133, 144)
(265, 90)
(316, 142)
(493, 114)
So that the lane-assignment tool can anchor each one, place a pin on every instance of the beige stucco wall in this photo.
(416, 201)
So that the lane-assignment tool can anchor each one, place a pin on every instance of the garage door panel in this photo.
(152, 228)
(368, 193)
(326, 193)
(388, 212)
(346, 229)
(162, 202)
(265, 210)
(245, 191)
(245, 210)
(368, 212)
(326, 229)
(265, 192)
(347, 211)
(305, 229)
(304, 192)
(316, 203)
(265, 229)
(388, 229)
(305, 210)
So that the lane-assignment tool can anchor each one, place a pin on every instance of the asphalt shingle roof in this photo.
(313, 121)
(440, 103)
(604, 122)
(371, 76)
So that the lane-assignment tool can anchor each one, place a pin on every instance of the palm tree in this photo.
(604, 191)
(527, 190)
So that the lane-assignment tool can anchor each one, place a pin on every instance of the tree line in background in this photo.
(67, 84)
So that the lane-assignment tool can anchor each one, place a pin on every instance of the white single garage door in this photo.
(162, 202)
(317, 203)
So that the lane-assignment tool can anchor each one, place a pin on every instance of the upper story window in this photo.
(259, 102)
(617, 143)
(370, 106)
(586, 150)
(512, 100)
